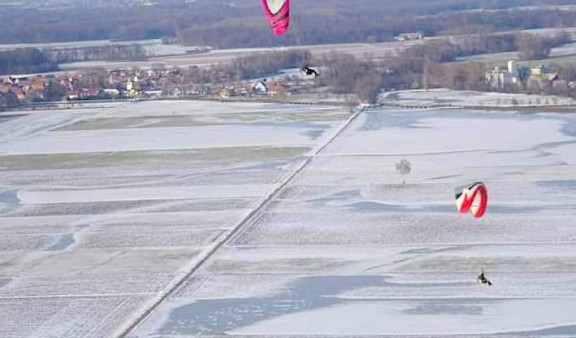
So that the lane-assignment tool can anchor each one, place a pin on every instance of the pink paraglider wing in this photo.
(278, 14)
(473, 198)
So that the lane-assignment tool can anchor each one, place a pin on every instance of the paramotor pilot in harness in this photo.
(309, 71)
(483, 280)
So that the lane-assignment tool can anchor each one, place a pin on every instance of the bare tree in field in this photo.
(350, 102)
(403, 168)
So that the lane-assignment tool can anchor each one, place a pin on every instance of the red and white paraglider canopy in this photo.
(473, 198)
(278, 14)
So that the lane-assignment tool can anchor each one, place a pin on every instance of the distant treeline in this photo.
(372, 26)
(25, 60)
(132, 52)
(33, 60)
(529, 46)
(218, 24)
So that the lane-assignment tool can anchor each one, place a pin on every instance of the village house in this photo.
(227, 92)
(500, 78)
(540, 77)
(5, 87)
(259, 87)
(277, 88)
(38, 83)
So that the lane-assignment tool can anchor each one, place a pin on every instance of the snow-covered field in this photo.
(346, 249)
(459, 98)
(103, 208)
(104, 211)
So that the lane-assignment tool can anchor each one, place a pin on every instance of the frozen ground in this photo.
(345, 249)
(94, 240)
(103, 208)
(459, 98)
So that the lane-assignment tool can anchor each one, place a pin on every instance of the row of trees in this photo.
(244, 68)
(33, 60)
(261, 65)
(131, 52)
(535, 47)
(25, 60)
(371, 26)
(529, 46)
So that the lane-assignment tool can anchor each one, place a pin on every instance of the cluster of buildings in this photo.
(534, 78)
(258, 88)
(38, 88)
(138, 83)
(24, 88)
(84, 86)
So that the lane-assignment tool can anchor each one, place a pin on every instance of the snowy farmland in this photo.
(103, 208)
(346, 249)
(179, 219)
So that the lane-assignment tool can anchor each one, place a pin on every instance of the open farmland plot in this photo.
(102, 210)
(346, 249)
